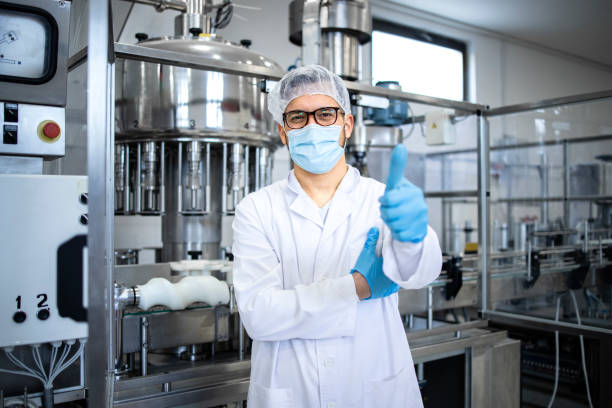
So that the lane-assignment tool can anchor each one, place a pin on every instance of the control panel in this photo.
(43, 251)
(32, 130)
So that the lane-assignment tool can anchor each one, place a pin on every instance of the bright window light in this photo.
(420, 67)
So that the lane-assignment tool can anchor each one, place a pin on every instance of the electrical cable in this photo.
(554, 393)
(69, 362)
(38, 360)
(20, 364)
(56, 367)
(53, 357)
(584, 370)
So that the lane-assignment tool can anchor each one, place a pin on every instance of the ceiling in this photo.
(581, 28)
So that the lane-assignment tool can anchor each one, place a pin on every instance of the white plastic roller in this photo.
(177, 296)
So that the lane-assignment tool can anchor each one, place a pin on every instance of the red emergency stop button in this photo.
(51, 130)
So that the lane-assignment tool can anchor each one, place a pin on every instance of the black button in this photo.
(19, 317)
(43, 314)
(10, 134)
(11, 112)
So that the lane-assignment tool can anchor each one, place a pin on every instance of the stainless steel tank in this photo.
(345, 26)
(191, 143)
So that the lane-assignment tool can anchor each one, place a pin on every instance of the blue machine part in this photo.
(396, 114)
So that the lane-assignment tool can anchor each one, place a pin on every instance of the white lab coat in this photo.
(314, 343)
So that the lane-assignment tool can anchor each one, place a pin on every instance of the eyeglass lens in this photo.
(323, 116)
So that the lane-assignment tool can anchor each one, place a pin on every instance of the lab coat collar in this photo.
(341, 204)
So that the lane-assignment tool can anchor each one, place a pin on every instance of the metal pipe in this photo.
(566, 185)
(150, 175)
(429, 307)
(483, 208)
(126, 197)
(144, 345)
(224, 181)
(179, 193)
(161, 5)
(257, 168)
(194, 158)
(550, 103)
(240, 339)
(162, 177)
(100, 141)
(544, 187)
(207, 190)
(138, 187)
(246, 171)
(236, 161)
(119, 177)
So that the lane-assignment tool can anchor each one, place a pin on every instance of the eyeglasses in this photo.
(297, 119)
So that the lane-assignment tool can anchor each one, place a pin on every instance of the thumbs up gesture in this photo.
(403, 206)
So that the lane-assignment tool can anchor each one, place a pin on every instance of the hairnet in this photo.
(307, 80)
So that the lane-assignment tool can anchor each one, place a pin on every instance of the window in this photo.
(422, 62)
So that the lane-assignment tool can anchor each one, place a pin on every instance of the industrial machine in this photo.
(178, 133)
(43, 217)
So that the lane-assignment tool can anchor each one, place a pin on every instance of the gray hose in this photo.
(48, 398)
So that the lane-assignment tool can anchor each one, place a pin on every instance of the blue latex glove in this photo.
(403, 206)
(370, 266)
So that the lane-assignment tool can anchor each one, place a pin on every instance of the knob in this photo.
(83, 198)
(141, 36)
(246, 43)
(195, 31)
(43, 314)
(19, 317)
(84, 219)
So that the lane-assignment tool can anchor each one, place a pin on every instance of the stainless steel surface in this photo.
(100, 140)
(161, 5)
(539, 323)
(184, 59)
(166, 329)
(549, 103)
(53, 91)
(483, 210)
(172, 100)
(451, 193)
(350, 16)
(340, 53)
(21, 165)
(411, 97)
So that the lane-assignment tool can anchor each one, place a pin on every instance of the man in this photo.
(320, 306)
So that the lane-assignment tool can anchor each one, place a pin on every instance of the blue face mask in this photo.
(315, 148)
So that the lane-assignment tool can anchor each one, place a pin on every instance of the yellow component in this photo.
(41, 134)
(434, 126)
(471, 247)
(204, 35)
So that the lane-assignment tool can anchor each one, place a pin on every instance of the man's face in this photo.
(310, 103)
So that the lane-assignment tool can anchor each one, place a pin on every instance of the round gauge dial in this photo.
(28, 41)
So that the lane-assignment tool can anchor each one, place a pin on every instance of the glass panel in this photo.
(551, 212)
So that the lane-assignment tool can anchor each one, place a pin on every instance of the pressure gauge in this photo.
(28, 44)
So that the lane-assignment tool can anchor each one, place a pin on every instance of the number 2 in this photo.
(43, 302)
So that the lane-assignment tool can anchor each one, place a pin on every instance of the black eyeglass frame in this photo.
(313, 113)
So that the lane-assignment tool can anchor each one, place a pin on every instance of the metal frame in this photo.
(549, 103)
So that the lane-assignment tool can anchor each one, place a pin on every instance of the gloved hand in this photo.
(403, 206)
(370, 266)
